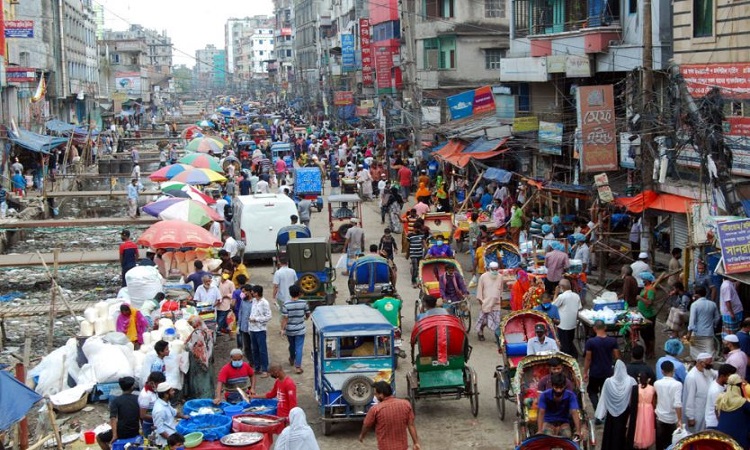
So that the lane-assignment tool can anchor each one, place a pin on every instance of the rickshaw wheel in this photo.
(581, 337)
(309, 283)
(327, 426)
(464, 313)
(358, 390)
(412, 393)
(416, 308)
(474, 393)
(500, 394)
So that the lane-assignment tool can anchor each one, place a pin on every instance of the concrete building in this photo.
(262, 45)
(206, 72)
(282, 69)
(124, 75)
(459, 45)
(311, 19)
(235, 31)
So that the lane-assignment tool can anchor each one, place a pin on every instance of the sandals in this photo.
(298, 370)
(480, 337)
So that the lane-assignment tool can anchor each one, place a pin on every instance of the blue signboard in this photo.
(19, 29)
(461, 105)
(734, 238)
(348, 62)
(308, 180)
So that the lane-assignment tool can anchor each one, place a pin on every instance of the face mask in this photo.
(236, 364)
(439, 243)
(493, 272)
(225, 276)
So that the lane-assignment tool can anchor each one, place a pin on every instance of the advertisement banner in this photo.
(734, 239)
(596, 118)
(550, 138)
(365, 41)
(347, 53)
(737, 126)
(461, 105)
(733, 79)
(128, 82)
(383, 62)
(525, 124)
(19, 29)
(603, 189)
(20, 74)
(505, 107)
(484, 101)
(343, 98)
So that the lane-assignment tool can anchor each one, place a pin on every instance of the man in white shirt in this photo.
(695, 392)
(164, 415)
(583, 253)
(568, 304)
(231, 245)
(206, 293)
(219, 206)
(668, 406)
(718, 386)
(284, 277)
(541, 342)
(262, 187)
(639, 267)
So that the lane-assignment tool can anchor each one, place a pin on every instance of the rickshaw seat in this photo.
(372, 273)
(518, 349)
(432, 287)
(431, 363)
(514, 360)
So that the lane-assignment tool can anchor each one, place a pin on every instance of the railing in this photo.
(539, 17)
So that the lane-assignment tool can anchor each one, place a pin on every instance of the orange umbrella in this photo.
(175, 234)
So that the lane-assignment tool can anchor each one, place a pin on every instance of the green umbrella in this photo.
(202, 161)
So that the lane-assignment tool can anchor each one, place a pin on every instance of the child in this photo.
(387, 244)
(645, 426)
(175, 441)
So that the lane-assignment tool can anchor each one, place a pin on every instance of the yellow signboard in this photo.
(525, 124)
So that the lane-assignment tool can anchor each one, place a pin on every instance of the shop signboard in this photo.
(596, 118)
(20, 74)
(733, 79)
(383, 62)
(469, 103)
(347, 53)
(734, 239)
(525, 124)
(365, 41)
(550, 138)
(19, 29)
(343, 98)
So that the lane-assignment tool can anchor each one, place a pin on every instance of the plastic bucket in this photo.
(233, 410)
(89, 437)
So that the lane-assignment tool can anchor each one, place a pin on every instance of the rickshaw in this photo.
(352, 349)
(370, 279)
(288, 233)
(341, 209)
(530, 371)
(708, 440)
(284, 151)
(507, 255)
(440, 225)
(430, 271)
(513, 334)
(544, 442)
(440, 368)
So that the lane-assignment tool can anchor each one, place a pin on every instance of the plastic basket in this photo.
(213, 426)
(269, 405)
(192, 406)
(614, 306)
(121, 443)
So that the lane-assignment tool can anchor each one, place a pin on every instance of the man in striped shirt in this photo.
(416, 251)
(294, 312)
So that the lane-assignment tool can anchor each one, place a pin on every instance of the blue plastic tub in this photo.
(120, 443)
(270, 406)
(213, 426)
(233, 410)
(196, 404)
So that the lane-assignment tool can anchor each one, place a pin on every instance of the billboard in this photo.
(128, 82)
(383, 64)
(365, 40)
(550, 138)
(734, 238)
(596, 119)
(20, 74)
(347, 53)
(19, 29)
(343, 98)
(469, 103)
(733, 79)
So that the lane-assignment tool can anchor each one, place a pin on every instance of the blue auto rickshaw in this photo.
(352, 349)
(370, 278)
(283, 150)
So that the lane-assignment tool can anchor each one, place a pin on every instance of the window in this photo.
(289, 53)
(115, 58)
(703, 18)
(524, 97)
(440, 53)
(492, 57)
(431, 54)
(260, 42)
(438, 9)
(494, 8)
(632, 6)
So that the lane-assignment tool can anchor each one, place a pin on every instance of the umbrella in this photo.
(167, 172)
(175, 234)
(191, 132)
(184, 190)
(183, 209)
(205, 124)
(205, 145)
(202, 161)
(200, 176)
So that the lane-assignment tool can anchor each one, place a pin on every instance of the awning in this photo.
(39, 143)
(459, 154)
(16, 401)
(499, 175)
(58, 126)
(569, 190)
(653, 200)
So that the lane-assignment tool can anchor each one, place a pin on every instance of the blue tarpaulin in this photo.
(499, 175)
(482, 144)
(16, 400)
(58, 126)
(35, 142)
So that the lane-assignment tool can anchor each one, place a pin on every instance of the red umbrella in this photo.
(175, 234)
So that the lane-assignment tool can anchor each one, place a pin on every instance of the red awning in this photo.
(459, 154)
(453, 147)
(652, 200)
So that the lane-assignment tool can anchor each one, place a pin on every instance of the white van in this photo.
(257, 220)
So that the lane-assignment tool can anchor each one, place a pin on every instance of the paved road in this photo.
(438, 422)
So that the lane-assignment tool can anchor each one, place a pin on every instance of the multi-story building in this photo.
(235, 31)
(262, 45)
(206, 72)
(283, 66)
(124, 76)
(309, 17)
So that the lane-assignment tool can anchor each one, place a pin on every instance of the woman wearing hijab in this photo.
(131, 322)
(734, 412)
(298, 435)
(201, 380)
(394, 205)
(618, 404)
(519, 289)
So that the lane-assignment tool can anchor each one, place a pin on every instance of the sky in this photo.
(192, 24)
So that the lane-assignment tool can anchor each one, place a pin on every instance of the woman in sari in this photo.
(131, 322)
(201, 380)
(519, 289)
(298, 435)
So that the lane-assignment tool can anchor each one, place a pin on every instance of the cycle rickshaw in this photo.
(430, 271)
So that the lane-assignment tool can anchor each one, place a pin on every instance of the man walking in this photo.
(601, 353)
(294, 312)
(668, 406)
(259, 318)
(695, 393)
(390, 418)
(704, 316)
(132, 194)
(568, 304)
(304, 208)
(243, 322)
(128, 253)
(730, 306)
(556, 262)
(354, 243)
(283, 279)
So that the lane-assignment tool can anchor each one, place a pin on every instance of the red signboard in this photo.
(738, 126)
(484, 101)
(383, 64)
(733, 79)
(20, 74)
(343, 98)
(596, 119)
(286, 31)
(384, 11)
(365, 40)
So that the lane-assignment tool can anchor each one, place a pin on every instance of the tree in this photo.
(182, 79)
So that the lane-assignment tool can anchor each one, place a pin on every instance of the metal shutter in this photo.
(679, 231)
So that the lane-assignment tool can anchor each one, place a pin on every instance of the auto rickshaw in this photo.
(341, 209)
(284, 151)
(352, 349)
(311, 259)
(370, 279)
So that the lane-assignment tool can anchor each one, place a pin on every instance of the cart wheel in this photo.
(464, 313)
(473, 392)
(343, 229)
(581, 338)
(327, 425)
(417, 305)
(309, 283)
(358, 390)
(412, 393)
(500, 394)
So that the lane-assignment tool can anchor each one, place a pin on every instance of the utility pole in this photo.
(647, 120)
(409, 19)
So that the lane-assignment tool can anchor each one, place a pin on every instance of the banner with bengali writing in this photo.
(734, 239)
(596, 119)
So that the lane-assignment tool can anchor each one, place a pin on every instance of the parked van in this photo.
(257, 220)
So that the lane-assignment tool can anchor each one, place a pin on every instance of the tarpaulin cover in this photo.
(39, 143)
(450, 148)
(652, 200)
(459, 154)
(58, 126)
(499, 175)
(16, 400)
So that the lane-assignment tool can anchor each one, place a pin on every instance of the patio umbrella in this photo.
(191, 132)
(183, 209)
(184, 190)
(175, 234)
(200, 176)
(205, 145)
(202, 161)
(167, 172)
(205, 124)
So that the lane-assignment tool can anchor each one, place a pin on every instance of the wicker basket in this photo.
(73, 407)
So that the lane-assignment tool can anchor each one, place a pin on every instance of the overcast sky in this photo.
(192, 24)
